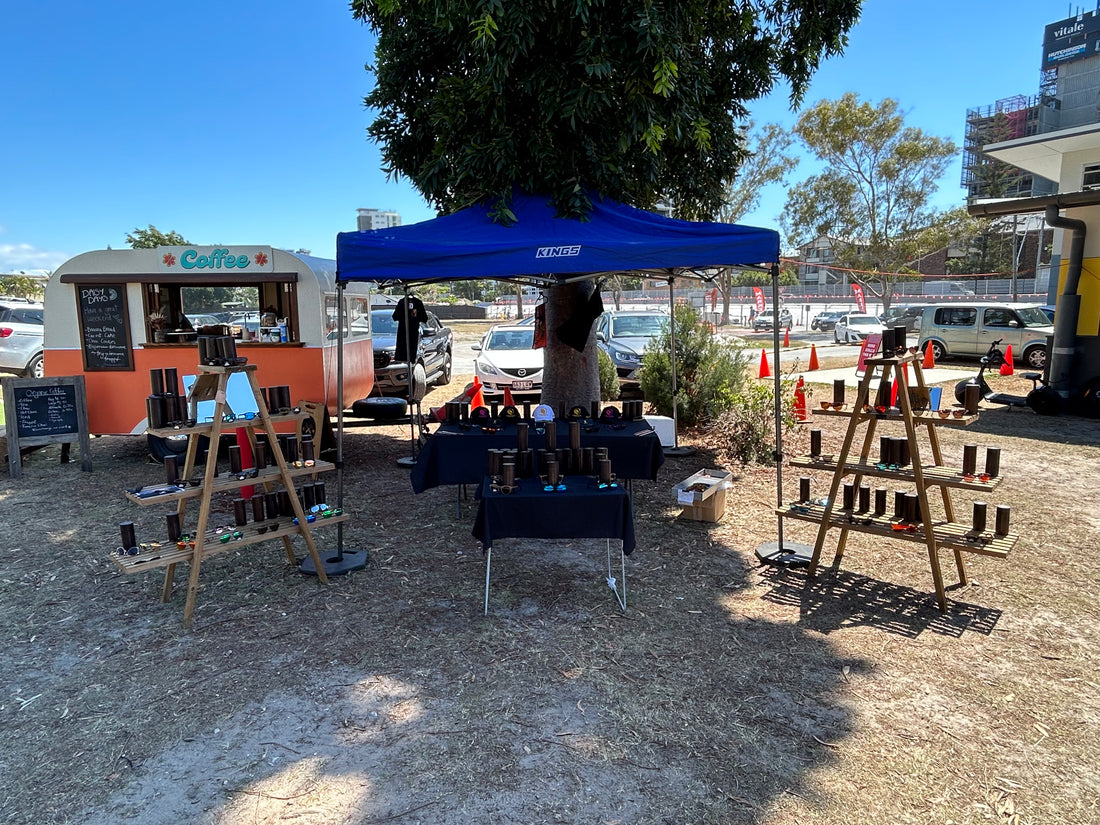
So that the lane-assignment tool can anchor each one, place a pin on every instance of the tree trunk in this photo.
(519, 302)
(569, 377)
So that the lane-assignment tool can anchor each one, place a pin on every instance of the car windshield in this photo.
(382, 322)
(1033, 317)
(862, 321)
(637, 326)
(511, 339)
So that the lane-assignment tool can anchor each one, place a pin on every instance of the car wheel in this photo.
(1036, 358)
(836, 336)
(938, 351)
(448, 366)
(35, 368)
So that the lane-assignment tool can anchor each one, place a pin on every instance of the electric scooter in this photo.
(1042, 399)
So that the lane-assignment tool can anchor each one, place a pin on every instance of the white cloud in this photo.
(23, 257)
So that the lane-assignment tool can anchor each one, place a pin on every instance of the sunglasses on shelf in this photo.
(832, 405)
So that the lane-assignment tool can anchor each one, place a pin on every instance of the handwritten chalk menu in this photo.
(104, 327)
(40, 411)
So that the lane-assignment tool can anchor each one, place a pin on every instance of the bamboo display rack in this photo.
(211, 384)
(934, 534)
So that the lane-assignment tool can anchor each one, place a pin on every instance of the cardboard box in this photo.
(708, 504)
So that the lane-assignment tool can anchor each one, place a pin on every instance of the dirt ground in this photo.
(728, 692)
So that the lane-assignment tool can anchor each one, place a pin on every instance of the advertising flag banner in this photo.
(861, 302)
(758, 294)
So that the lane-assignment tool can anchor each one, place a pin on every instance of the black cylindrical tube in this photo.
(234, 458)
(899, 340)
(1004, 512)
(240, 512)
(156, 381)
(171, 381)
(319, 492)
(605, 471)
(508, 474)
(129, 535)
(979, 520)
(595, 409)
(291, 448)
(970, 459)
(492, 462)
(259, 455)
(526, 410)
(864, 497)
(552, 473)
(887, 343)
(267, 400)
(880, 500)
(849, 496)
(574, 435)
(551, 435)
(307, 449)
(993, 461)
(899, 503)
(904, 458)
(154, 411)
(258, 514)
(912, 507)
(803, 489)
(838, 391)
(171, 469)
(522, 431)
(885, 449)
(308, 497)
(971, 397)
(589, 461)
(173, 522)
(464, 412)
(284, 504)
(271, 504)
(494, 408)
(815, 443)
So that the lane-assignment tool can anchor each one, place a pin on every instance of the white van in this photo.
(969, 327)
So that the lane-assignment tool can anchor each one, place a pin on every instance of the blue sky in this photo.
(242, 122)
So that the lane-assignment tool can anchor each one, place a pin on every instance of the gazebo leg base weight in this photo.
(679, 452)
(335, 564)
(406, 461)
(789, 554)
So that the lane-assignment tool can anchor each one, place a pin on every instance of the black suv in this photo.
(433, 362)
(906, 315)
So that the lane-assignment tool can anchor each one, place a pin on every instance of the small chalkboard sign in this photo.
(104, 327)
(40, 411)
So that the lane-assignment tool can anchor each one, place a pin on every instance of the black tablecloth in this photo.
(453, 455)
(582, 510)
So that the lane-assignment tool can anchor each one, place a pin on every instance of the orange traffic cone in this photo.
(813, 357)
(787, 338)
(929, 360)
(1006, 367)
(800, 399)
(765, 370)
(508, 402)
(475, 394)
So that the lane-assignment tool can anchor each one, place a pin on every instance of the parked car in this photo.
(203, 320)
(506, 358)
(854, 327)
(625, 336)
(967, 329)
(1048, 310)
(434, 360)
(825, 321)
(763, 320)
(21, 337)
(906, 315)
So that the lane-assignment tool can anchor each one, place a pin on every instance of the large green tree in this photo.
(151, 238)
(635, 99)
(873, 197)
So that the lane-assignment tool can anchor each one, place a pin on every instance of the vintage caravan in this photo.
(114, 315)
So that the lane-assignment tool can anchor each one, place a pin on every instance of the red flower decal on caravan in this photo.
(169, 259)
(261, 259)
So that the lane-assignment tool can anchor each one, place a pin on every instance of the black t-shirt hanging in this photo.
(408, 322)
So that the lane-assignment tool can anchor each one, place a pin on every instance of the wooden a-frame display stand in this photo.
(934, 534)
(211, 385)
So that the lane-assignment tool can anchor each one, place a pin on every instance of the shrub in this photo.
(609, 378)
(745, 432)
(710, 374)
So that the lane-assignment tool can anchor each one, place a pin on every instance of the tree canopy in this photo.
(151, 238)
(635, 99)
(873, 198)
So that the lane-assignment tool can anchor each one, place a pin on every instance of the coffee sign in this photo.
(196, 259)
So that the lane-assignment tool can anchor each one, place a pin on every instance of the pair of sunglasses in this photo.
(549, 488)
(307, 463)
(983, 477)
(884, 466)
(832, 405)
(904, 528)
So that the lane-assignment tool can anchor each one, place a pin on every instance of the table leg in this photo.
(611, 579)
(488, 567)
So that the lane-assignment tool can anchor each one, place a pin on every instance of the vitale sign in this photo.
(1072, 39)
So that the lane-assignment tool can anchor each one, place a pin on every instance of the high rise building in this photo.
(377, 219)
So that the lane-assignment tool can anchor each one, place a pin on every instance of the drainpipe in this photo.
(1069, 306)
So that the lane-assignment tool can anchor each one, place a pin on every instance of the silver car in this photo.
(21, 337)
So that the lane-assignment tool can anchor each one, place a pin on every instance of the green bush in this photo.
(745, 432)
(710, 374)
(609, 378)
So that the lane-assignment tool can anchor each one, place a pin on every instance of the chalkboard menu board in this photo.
(104, 327)
(45, 410)
(40, 411)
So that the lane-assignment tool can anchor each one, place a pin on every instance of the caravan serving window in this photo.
(252, 311)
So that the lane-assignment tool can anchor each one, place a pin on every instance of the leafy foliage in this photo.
(873, 197)
(151, 238)
(609, 377)
(709, 373)
(745, 432)
(21, 286)
(635, 100)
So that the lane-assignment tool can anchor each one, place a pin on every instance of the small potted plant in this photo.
(158, 320)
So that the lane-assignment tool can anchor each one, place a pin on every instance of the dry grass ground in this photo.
(727, 693)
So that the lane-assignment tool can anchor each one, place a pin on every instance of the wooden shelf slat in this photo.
(227, 484)
(933, 474)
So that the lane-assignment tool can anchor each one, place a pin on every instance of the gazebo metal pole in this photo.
(672, 359)
(410, 361)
